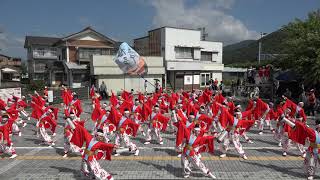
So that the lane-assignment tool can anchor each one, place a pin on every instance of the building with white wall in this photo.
(103, 68)
(189, 62)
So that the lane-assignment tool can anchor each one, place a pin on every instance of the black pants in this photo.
(104, 94)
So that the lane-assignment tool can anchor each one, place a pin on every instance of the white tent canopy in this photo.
(8, 70)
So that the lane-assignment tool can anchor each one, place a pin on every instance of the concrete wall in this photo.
(172, 37)
(180, 37)
(213, 47)
(195, 65)
(118, 82)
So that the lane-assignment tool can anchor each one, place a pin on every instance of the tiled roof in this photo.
(37, 40)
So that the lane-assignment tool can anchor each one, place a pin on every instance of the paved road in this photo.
(155, 161)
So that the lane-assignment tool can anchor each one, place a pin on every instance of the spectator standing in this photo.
(103, 90)
(211, 88)
(267, 73)
(145, 86)
(288, 93)
(260, 73)
(250, 75)
(221, 86)
(233, 87)
(312, 102)
(303, 98)
(215, 83)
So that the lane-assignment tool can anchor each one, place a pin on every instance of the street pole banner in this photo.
(8, 92)
(129, 61)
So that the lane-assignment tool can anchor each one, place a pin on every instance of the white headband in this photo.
(127, 112)
(99, 134)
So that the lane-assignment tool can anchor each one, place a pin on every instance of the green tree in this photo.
(303, 48)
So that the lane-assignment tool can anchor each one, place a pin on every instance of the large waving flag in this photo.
(129, 61)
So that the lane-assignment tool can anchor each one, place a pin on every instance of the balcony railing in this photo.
(48, 54)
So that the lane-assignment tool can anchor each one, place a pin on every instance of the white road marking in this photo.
(16, 161)
(149, 148)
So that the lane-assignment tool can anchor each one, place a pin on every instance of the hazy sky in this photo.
(228, 21)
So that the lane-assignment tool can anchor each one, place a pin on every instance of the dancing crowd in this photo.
(199, 119)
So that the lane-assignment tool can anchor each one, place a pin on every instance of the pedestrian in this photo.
(260, 73)
(288, 93)
(221, 86)
(145, 86)
(103, 90)
(233, 88)
(238, 83)
(267, 73)
(215, 83)
(312, 102)
(303, 98)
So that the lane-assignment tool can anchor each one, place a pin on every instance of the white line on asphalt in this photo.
(16, 161)
(148, 148)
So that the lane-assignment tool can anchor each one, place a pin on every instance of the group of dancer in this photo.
(198, 119)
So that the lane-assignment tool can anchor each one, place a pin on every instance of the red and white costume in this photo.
(95, 150)
(193, 146)
(235, 127)
(6, 146)
(157, 124)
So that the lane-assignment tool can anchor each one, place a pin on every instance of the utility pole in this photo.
(260, 45)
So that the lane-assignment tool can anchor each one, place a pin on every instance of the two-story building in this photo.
(189, 61)
(66, 60)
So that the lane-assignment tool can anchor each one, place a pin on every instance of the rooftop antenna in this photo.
(204, 35)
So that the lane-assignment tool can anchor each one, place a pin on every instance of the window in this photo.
(78, 77)
(38, 77)
(64, 54)
(87, 53)
(183, 52)
(206, 56)
(39, 67)
(205, 78)
(105, 51)
(45, 52)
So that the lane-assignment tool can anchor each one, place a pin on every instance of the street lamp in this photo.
(260, 44)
